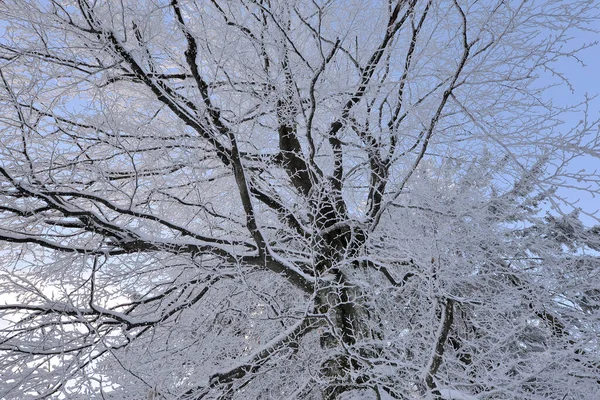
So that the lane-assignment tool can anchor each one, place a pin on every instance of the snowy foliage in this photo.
(294, 199)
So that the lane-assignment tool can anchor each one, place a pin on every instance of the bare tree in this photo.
(294, 199)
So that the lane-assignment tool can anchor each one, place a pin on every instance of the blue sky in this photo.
(584, 80)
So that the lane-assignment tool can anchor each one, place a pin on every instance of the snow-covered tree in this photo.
(294, 199)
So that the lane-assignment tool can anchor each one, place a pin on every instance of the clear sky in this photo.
(584, 80)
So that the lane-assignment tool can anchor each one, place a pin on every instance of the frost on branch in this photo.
(294, 200)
